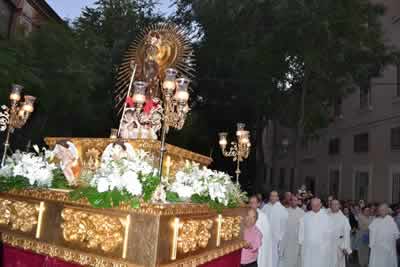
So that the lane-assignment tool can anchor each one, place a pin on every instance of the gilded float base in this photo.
(86, 259)
(47, 222)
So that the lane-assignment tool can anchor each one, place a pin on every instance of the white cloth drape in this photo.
(340, 239)
(277, 216)
(315, 232)
(265, 252)
(290, 245)
(383, 233)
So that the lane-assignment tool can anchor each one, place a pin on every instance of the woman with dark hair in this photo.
(364, 220)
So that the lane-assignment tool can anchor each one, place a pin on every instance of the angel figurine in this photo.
(117, 151)
(129, 125)
(67, 154)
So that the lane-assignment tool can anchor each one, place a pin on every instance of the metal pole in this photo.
(163, 148)
(237, 170)
(133, 66)
(6, 146)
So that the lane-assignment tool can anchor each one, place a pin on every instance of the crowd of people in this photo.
(300, 230)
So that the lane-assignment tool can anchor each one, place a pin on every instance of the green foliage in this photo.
(214, 204)
(107, 199)
(113, 198)
(150, 184)
(71, 70)
(173, 197)
(257, 59)
(59, 180)
(9, 183)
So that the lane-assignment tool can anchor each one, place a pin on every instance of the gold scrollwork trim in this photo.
(86, 259)
(194, 234)
(65, 254)
(230, 228)
(207, 256)
(145, 208)
(19, 215)
(92, 230)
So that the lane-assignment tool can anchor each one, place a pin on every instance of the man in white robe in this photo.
(290, 245)
(383, 233)
(277, 216)
(315, 233)
(340, 235)
(264, 258)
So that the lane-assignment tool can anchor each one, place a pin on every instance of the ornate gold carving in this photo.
(207, 256)
(149, 237)
(65, 254)
(194, 234)
(230, 228)
(145, 208)
(93, 159)
(86, 259)
(22, 216)
(92, 230)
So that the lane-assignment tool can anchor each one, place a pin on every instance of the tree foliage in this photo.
(71, 69)
(258, 60)
(285, 61)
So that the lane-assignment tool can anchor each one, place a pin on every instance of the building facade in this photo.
(358, 155)
(20, 17)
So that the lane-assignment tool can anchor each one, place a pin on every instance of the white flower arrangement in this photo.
(132, 173)
(123, 174)
(203, 182)
(34, 167)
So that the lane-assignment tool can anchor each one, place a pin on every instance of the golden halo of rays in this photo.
(176, 52)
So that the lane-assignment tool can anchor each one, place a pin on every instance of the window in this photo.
(5, 18)
(395, 187)
(334, 146)
(310, 184)
(361, 143)
(291, 183)
(398, 79)
(395, 138)
(334, 175)
(365, 97)
(337, 107)
(271, 177)
(282, 174)
(361, 185)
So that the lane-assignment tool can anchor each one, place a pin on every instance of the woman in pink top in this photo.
(253, 238)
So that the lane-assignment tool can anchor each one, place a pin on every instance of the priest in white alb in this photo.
(264, 253)
(315, 233)
(341, 229)
(277, 216)
(290, 245)
(383, 233)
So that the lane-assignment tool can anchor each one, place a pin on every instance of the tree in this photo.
(337, 46)
(285, 61)
(71, 69)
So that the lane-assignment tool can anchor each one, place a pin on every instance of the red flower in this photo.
(129, 101)
(150, 104)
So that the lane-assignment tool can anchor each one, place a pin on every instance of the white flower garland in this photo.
(123, 173)
(203, 182)
(35, 168)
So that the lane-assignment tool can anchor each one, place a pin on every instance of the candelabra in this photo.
(239, 149)
(15, 116)
(174, 104)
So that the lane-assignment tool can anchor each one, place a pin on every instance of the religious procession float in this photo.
(131, 199)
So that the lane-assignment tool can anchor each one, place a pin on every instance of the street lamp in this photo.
(15, 116)
(239, 149)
